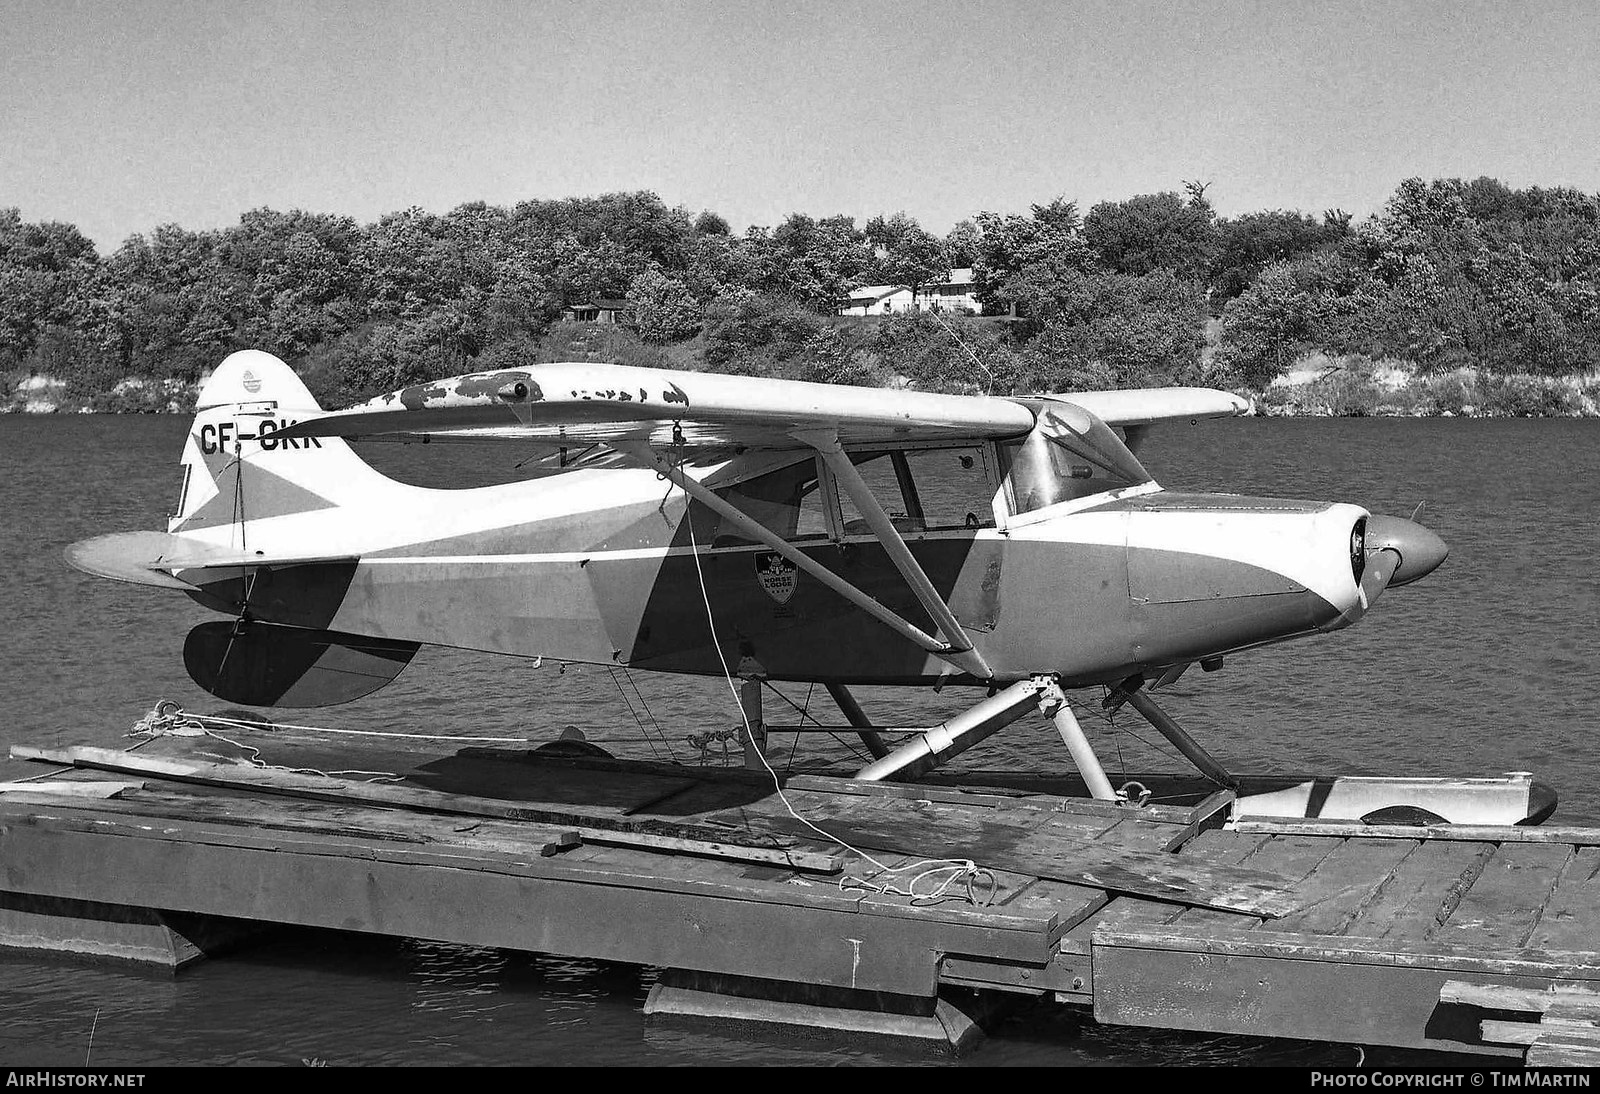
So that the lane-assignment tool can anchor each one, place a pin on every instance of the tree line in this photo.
(1448, 273)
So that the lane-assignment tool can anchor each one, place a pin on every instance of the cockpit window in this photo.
(785, 501)
(1070, 454)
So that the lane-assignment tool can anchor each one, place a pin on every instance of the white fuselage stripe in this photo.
(629, 554)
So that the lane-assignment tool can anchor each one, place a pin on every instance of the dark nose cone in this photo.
(1420, 550)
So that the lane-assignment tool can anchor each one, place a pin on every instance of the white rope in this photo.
(972, 876)
(167, 717)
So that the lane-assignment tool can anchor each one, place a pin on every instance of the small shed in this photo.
(599, 310)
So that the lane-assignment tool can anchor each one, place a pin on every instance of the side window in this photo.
(924, 489)
(786, 501)
(954, 487)
(885, 475)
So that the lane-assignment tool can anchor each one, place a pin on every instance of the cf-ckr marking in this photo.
(220, 436)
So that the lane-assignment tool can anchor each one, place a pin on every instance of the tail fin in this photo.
(236, 470)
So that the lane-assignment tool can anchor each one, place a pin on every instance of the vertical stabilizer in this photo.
(235, 467)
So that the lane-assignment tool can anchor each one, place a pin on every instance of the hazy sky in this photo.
(118, 115)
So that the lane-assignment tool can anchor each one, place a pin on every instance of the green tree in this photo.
(1049, 237)
(945, 353)
(1249, 244)
(907, 254)
(664, 310)
(47, 274)
(1153, 232)
(811, 261)
(758, 333)
(1328, 301)
(711, 224)
(300, 278)
(1098, 330)
(963, 245)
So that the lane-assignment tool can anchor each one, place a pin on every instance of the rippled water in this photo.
(1488, 665)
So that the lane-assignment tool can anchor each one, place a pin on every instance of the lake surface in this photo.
(1486, 666)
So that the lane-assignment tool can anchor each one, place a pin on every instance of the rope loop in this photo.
(1133, 793)
(167, 719)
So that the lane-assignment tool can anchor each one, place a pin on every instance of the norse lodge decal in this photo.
(778, 576)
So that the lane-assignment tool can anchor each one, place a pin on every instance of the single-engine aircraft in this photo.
(758, 528)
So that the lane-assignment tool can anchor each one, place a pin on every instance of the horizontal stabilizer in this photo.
(151, 558)
(268, 665)
(127, 556)
(237, 560)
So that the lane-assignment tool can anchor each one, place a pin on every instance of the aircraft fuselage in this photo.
(594, 566)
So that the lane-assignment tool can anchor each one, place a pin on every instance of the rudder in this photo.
(235, 468)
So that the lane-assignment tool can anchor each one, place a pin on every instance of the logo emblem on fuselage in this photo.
(777, 575)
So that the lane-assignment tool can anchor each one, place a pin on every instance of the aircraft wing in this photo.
(576, 403)
(1146, 406)
(581, 403)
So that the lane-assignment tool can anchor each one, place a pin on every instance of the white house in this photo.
(878, 300)
(953, 293)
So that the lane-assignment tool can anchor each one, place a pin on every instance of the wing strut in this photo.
(826, 442)
(967, 660)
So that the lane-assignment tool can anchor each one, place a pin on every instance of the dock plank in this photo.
(352, 820)
(1216, 846)
(241, 776)
(1342, 883)
(1287, 857)
(1484, 833)
(986, 824)
(1503, 905)
(1571, 917)
(989, 829)
(993, 796)
(1412, 900)
(943, 830)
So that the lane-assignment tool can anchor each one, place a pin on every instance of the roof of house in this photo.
(873, 293)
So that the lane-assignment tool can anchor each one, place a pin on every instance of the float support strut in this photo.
(755, 741)
(1053, 704)
(857, 717)
(1169, 728)
(932, 748)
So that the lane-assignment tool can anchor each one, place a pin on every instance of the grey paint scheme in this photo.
(1091, 612)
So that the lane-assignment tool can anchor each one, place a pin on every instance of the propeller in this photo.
(1419, 550)
(1396, 552)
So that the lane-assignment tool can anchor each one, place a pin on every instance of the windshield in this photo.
(1070, 454)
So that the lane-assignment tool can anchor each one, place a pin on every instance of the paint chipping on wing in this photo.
(487, 385)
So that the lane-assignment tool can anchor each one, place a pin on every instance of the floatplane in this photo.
(761, 529)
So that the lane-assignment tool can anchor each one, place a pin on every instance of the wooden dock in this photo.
(1472, 940)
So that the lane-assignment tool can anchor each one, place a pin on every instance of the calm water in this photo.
(1486, 666)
